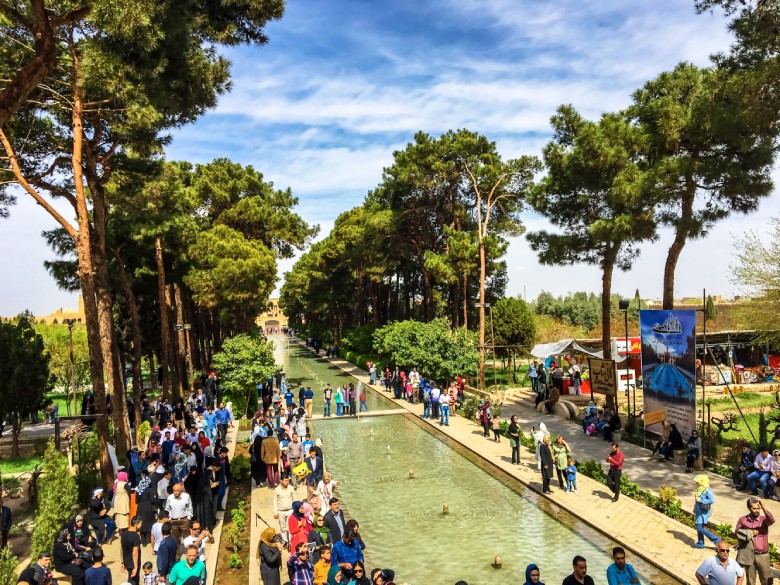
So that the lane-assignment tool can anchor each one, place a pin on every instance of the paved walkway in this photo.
(113, 550)
(658, 539)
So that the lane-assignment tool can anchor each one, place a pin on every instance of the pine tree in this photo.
(57, 499)
(710, 310)
(8, 567)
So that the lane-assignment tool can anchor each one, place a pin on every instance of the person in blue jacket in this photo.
(702, 510)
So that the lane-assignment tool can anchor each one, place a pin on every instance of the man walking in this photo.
(327, 395)
(546, 461)
(615, 460)
(720, 569)
(284, 494)
(299, 568)
(620, 572)
(334, 520)
(189, 566)
(308, 401)
(179, 506)
(166, 551)
(753, 537)
(131, 551)
(223, 419)
(295, 455)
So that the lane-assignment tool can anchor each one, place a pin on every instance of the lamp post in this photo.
(70, 323)
(623, 305)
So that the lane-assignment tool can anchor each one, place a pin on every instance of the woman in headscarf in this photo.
(335, 576)
(191, 483)
(198, 452)
(180, 468)
(202, 502)
(319, 535)
(258, 468)
(66, 559)
(270, 554)
(702, 510)
(98, 517)
(484, 417)
(299, 524)
(538, 440)
(532, 575)
(121, 501)
(143, 499)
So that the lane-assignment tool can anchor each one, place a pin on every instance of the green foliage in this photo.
(87, 471)
(513, 324)
(592, 469)
(592, 195)
(629, 488)
(436, 350)
(240, 467)
(359, 338)
(244, 361)
(470, 408)
(579, 309)
(57, 499)
(13, 465)
(238, 514)
(235, 561)
(710, 310)
(8, 567)
(725, 531)
(144, 431)
(24, 371)
(57, 343)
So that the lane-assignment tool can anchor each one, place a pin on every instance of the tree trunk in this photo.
(606, 333)
(83, 251)
(165, 340)
(135, 323)
(680, 238)
(465, 301)
(152, 371)
(16, 429)
(482, 279)
(182, 355)
(175, 363)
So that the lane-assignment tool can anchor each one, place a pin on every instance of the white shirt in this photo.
(444, 399)
(162, 489)
(763, 463)
(168, 433)
(190, 540)
(157, 534)
(180, 507)
(283, 498)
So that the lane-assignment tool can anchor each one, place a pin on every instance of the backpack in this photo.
(426, 397)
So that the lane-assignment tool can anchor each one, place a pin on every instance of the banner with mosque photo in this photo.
(669, 367)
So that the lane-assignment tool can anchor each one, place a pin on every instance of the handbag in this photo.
(704, 507)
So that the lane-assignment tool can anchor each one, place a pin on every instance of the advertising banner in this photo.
(632, 344)
(669, 366)
(602, 376)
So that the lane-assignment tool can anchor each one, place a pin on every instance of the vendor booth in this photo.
(566, 353)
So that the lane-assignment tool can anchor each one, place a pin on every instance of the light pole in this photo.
(623, 305)
(70, 323)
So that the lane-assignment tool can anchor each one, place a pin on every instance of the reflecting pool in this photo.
(402, 519)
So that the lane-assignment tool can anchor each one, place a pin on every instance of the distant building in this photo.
(58, 317)
(272, 317)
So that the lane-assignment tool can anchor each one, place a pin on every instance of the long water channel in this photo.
(402, 519)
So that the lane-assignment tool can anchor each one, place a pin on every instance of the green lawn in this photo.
(745, 400)
(742, 432)
(18, 464)
(504, 377)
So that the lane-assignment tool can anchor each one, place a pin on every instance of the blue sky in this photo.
(342, 84)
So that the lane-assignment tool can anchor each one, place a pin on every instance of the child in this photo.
(571, 476)
(97, 574)
(496, 424)
(150, 577)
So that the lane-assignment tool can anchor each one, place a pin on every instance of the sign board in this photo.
(634, 345)
(655, 417)
(626, 379)
(178, 327)
(669, 365)
(603, 379)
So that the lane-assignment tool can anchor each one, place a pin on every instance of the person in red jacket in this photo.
(615, 460)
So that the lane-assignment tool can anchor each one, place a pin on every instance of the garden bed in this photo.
(233, 555)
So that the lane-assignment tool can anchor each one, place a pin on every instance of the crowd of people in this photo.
(324, 547)
(164, 500)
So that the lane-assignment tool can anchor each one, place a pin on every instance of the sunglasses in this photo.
(725, 550)
(358, 571)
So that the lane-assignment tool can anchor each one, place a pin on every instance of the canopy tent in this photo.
(545, 350)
